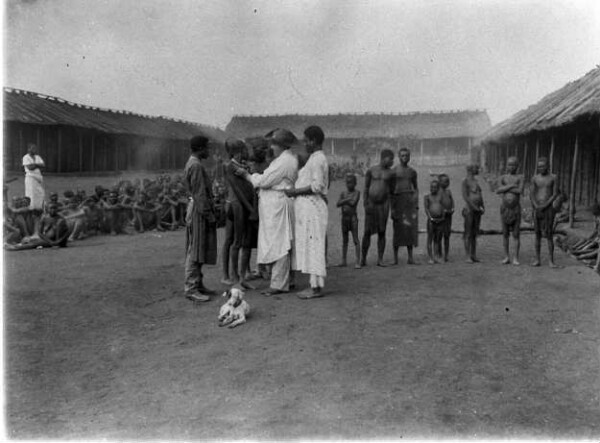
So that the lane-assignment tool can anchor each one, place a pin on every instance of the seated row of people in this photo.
(126, 207)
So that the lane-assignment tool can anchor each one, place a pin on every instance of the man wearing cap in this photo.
(201, 230)
(275, 208)
(311, 214)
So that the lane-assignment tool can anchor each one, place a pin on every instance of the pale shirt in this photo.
(315, 174)
(275, 228)
(28, 160)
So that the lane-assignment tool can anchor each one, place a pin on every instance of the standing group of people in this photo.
(279, 208)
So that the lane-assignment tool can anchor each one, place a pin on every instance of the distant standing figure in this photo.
(348, 201)
(448, 205)
(34, 182)
(544, 190)
(405, 206)
(472, 212)
(435, 222)
(201, 229)
(511, 188)
(377, 205)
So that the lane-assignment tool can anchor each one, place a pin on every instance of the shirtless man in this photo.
(405, 206)
(448, 205)
(435, 221)
(511, 188)
(472, 212)
(53, 232)
(378, 181)
(543, 192)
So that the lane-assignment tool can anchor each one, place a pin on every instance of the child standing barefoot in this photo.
(348, 202)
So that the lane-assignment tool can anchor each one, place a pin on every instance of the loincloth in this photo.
(405, 216)
(376, 217)
(510, 216)
(472, 222)
(543, 222)
(349, 223)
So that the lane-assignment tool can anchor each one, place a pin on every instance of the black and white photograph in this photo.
(267, 220)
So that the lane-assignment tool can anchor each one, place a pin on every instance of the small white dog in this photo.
(233, 313)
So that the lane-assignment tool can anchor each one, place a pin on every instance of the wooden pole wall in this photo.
(573, 183)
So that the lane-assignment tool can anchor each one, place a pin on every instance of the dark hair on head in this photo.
(234, 146)
(198, 143)
(69, 194)
(315, 133)
(444, 175)
(435, 180)
(403, 149)
(387, 153)
(351, 176)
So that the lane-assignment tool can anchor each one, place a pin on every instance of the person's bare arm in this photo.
(451, 201)
(368, 177)
(426, 207)
(465, 194)
(533, 193)
(504, 187)
(353, 200)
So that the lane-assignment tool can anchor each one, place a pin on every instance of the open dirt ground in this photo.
(100, 343)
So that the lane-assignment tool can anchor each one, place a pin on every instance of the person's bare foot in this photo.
(535, 263)
(412, 262)
(357, 266)
(227, 281)
(476, 260)
(554, 265)
(516, 262)
(381, 264)
(431, 262)
(446, 259)
(506, 261)
(470, 261)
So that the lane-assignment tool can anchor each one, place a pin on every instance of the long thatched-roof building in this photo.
(77, 138)
(564, 126)
(429, 134)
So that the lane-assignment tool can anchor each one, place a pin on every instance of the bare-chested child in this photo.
(543, 192)
(113, 213)
(348, 201)
(434, 210)
(448, 204)
(472, 212)
(53, 231)
(511, 188)
(378, 183)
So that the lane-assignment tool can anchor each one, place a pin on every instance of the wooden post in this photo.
(573, 182)
(551, 152)
(421, 152)
(116, 148)
(59, 150)
(37, 140)
(80, 151)
(332, 146)
(537, 150)
(93, 153)
(525, 154)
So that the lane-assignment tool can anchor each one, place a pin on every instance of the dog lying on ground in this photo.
(233, 313)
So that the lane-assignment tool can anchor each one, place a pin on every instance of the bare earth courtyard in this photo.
(101, 343)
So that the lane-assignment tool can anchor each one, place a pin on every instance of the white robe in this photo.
(275, 209)
(34, 182)
(311, 217)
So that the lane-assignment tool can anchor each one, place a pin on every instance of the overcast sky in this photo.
(208, 60)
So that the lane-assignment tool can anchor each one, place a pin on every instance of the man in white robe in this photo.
(34, 182)
(275, 209)
(311, 214)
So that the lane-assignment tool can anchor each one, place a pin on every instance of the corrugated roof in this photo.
(31, 107)
(576, 99)
(417, 124)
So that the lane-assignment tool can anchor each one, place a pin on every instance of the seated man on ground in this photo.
(53, 232)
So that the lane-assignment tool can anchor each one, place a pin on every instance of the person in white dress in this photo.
(311, 214)
(34, 182)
